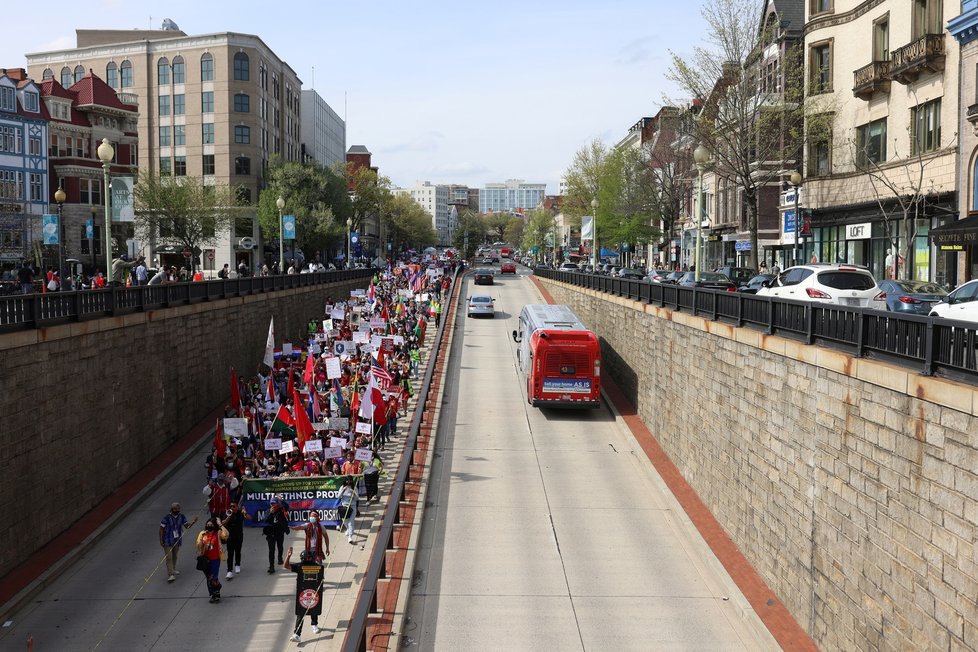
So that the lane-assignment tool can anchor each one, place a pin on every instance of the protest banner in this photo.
(300, 495)
(235, 427)
(339, 423)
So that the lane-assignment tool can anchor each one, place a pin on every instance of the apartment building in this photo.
(958, 239)
(886, 73)
(434, 199)
(213, 106)
(323, 131)
(511, 195)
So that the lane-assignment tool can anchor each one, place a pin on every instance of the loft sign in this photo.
(859, 231)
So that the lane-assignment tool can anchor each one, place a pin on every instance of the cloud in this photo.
(464, 169)
(636, 51)
(427, 142)
(60, 43)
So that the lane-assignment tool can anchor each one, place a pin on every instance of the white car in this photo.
(961, 304)
(841, 285)
(481, 304)
(568, 267)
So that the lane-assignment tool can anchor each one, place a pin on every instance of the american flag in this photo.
(417, 283)
(382, 376)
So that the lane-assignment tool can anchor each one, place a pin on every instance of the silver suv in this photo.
(841, 285)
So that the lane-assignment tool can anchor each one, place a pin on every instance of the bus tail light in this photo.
(597, 368)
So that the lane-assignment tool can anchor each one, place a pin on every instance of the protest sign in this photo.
(313, 446)
(364, 455)
(344, 347)
(361, 337)
(364, 428)
(273, 444)
(339, 423)
(333, 369)
(319, 427)
(339, 442)
(378, 322)
(287, 447)
(235, 427)
(286, 348)
(332, 452)
(300, 495)
(338, 314)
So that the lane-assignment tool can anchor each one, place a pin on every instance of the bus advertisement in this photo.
(559, 357)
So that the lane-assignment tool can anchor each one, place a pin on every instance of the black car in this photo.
(484, 276)
(673, 277)
(631, 272)
(755, 283)
(739, 275)
(708, 280)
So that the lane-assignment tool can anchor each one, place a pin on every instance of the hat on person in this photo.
(174, 505)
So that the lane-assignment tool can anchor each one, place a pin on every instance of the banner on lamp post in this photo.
(50, 229)
(122, 209)
(587, 227)
(288, 227)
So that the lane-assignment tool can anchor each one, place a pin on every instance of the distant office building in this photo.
(214, 106)
(323, 131)
(434, 199)
(510, 196)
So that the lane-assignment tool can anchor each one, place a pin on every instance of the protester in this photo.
(277, 526)
(309, 579)
(234, 524)
(172, 528)
(317, 540)
(348, 507)
(121, 267)
(209, 548)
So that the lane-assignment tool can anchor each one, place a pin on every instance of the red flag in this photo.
(270, 391)
(303, 427)
(219, 442)
(355, 402)
(284, 422)
(235, 392)
(307, 375)
(290, 388)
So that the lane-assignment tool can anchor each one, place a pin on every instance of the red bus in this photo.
(560, 358)
(504, 252)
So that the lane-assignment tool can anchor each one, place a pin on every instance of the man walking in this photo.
(172, 528)
(277, 526)
(234, 524)
(309, 577)
(26, 277)
(348, 506)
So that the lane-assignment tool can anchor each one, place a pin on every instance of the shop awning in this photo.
(957, 235)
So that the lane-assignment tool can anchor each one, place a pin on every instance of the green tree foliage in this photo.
(369, 193)
(471, 229)
(183, 209)
(408, 225)
(539, 229)
(513, 232)
(496, 225)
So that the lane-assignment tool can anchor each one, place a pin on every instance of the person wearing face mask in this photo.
(209, 547)
(172, 528)
(234, 524)
(317, 541)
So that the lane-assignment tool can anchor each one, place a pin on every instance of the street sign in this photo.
(742, 245)
(789, 222)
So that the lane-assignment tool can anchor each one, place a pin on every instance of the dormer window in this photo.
(8, 99)
(31, 102)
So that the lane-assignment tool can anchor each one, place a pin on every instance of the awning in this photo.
(957, 235)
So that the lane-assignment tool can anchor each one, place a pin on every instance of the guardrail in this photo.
(366, 605)
(928, 345)
(25, 311)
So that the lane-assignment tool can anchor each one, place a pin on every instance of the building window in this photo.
(927, 18)
(207, 102)
(820, 6)
(10, 140)
(180, 135)
(881, 39)
(96, 240)
(925, 127)
(133, 154)
(125, 74)
(179, 166)
(207, 133)
(242, 103)
(820, 155)
(179, 70)
(820, 63)
(79, 73)
(242, 135)
(37, 187)
(163, 72)
(8, 99)
(30, 102)
(164, 105)
(112, 75)
(242, 165)
(66, 79)
(242, 69)
(90, 191)
(79, 148)
(47, 74)
(179, 104)
(164, 166)
(871, 143)
(11, 184)
(208, 165)
(206, 68)
(243, 195)
(35, 146)
(164, 137)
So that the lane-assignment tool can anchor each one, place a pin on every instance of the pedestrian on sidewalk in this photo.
(277, 526)
(172, 527)
(317, 540)
(371, 477)
(309, 576)
(234, 524)
(348, 506)
(209, 545)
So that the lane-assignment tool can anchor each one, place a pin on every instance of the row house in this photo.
(23, 168)
(956, 243)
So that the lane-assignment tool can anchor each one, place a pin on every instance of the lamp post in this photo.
(280, 204)
(91, 240)
(59, 197)
(594, 236)
(701, 157)
(105, 154)
(349, 236)
(795, 181)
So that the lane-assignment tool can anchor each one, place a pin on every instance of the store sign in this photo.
(742, 245)
(859, 231)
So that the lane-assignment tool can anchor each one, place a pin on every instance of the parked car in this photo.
(507, 267)
(486, 260)
(755, 283)
(673, 277)
(961, 304)
(631, 272)
(568, 267)
(481, 304)
(484, 276)
(916, 297)
(739, 275)
(841, 285)
(657, 275)
(708, 280)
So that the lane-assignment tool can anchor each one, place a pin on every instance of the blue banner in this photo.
(567, 385)
(288, 227)
(90, 229)
(50, 229)
(299, 496)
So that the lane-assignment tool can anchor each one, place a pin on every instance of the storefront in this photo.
(956, 242)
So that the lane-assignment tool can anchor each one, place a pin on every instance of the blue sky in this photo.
(449, 92)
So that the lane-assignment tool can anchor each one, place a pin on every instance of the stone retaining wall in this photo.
(85, 406)
(848, 483)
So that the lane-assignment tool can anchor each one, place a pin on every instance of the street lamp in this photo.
(795, 181)
(280, 203)
(349, 237)
(59, 197)
(105, 154)
(701, 156)
(91, 240)
(594, 235)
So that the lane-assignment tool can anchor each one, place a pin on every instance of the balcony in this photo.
(926, 54)
(972, 115)
(871, 79)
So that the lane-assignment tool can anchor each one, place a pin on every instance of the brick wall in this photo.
(85, 406)
(849, 484)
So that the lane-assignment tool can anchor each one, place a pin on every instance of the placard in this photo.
(332, 452)
(378, 322)
(333, 369)
(286, 348)
(287, 447)
(338, 442)
(327, 325)
(358, 293)
(398, 340)
(367, 348)
(424, 297)
(235, 427)
(407, 294)
(364, 455)
(364, 326)
(314, 446)
(355, 319)
(315, 349)
(338, 313)
(376, 341)
(328, 309)
(339, 423)
(273, 444)
(334, 333)
(344, 347)
(387, 345)
(361, 337)
(364, 428)
(321, 427)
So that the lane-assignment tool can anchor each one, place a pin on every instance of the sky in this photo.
(448, 92)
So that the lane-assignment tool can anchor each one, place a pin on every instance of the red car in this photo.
(507, 268)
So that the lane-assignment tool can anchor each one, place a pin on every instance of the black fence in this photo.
(928, 345)
(25, 311)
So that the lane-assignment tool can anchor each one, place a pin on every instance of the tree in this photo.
(752, 130)
(496, 224)
(408, 224)
(513, 232)
(183, 210)
(539, 231)
(369, 192)
(471, 232)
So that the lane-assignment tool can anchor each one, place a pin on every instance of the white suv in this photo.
(961, 304)
(841, 285)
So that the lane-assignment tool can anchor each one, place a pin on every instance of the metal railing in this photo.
(927, 345)
(25, 311)
(366, 604)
